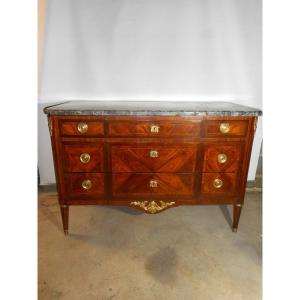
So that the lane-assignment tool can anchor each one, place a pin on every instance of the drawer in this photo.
(81, 127)
(154, 129)
(219, 184)
(222, 157)
(154, 158)
(128, 185)
(226, 128)
(81, 185)
(83, 157)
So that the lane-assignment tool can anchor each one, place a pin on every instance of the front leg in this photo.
(237, 208)
(64, 210)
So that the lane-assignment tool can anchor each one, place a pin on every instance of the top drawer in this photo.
(226, 128)
(154, 129)
(81, 127)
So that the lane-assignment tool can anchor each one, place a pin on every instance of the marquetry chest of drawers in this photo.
(151, 155)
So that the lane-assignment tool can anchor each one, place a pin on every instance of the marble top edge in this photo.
(151, 108)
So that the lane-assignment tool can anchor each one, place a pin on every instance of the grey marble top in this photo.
(151, 108)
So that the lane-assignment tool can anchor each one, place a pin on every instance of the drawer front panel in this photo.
(154, 129)
(226, 128)
(219, 184)
(154, 158)
(126, 184)
(81, 128)
(86, 157)
(222, 157)
(84, 185)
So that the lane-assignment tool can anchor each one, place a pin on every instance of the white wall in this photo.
(160, 50)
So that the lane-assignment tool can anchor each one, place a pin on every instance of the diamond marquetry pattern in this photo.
(128, 184)
(233, 156)
(138, 159)
(146, 129)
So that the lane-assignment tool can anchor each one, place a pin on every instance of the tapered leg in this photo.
(237, 208)
(64, 210)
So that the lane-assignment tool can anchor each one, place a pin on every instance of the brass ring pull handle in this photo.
(218, 183)
(82, 127)
(86, 184)
(154, 128)
(222, 158)
(85, 158)
(153, 153)
(153, 183)
(224, 127)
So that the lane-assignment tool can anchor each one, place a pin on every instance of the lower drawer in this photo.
(159, 184)
(219, 184)
(84, 185)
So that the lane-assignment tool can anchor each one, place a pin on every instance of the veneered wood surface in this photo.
(70, 128)
(132, 184)
(233, 151)
(74, 189)
(71, 157)
(143, 129)
(187, 177)
(170, 158)
(237, 128)
(229, 186)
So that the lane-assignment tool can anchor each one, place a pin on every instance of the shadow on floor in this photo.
(126, 210)
(226, 214)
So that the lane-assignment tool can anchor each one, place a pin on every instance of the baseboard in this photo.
(47, 188)
(250, 184)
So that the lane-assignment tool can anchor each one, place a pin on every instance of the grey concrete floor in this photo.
(119, 253)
